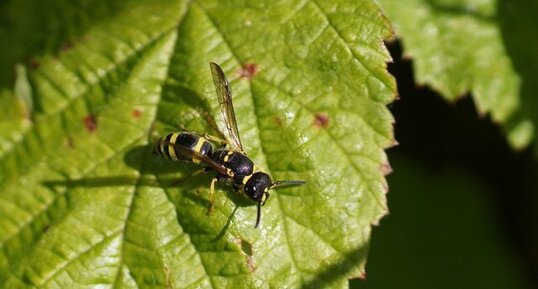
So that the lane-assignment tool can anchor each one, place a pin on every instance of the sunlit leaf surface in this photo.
(84, 202)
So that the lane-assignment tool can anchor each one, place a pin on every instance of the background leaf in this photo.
(485, 48)
(444, 222)
(84, 203)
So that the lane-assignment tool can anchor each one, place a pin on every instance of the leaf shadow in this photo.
(140, 158)
(156, 172)
(341, 269)
(226, 226)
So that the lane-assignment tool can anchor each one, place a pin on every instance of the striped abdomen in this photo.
(183, 146)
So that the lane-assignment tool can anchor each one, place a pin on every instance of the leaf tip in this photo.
(362, 276)
(386, 169)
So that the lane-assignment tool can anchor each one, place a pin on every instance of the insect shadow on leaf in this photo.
(155, 172)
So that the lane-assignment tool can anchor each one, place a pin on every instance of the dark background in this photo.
(463, 203)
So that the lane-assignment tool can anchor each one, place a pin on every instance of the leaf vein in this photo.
(342, 38)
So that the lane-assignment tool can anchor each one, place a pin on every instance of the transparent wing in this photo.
(187, 153)
(224, 93)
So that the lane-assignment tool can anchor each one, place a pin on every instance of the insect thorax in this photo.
(237, 162)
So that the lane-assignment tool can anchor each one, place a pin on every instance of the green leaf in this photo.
(85, 203)
(31, 29)
(486, 48)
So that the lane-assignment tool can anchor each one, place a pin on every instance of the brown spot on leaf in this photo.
(250, 264)
(66, 46)
(34, 64)
(246, 248)
(248, 70)
(68, 142)
(137, 113)
(168, 277)
(321, 120)
(278, 121)
(90, 123)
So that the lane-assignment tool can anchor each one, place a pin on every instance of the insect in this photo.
(230, 162)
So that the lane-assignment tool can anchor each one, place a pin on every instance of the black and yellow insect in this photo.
(173, 145)
(230, 162)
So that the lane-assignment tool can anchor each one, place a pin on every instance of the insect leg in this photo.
(194, 174)
(211, 195)
(199, 172)
(215, 139)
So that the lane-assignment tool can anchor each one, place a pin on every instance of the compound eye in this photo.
(253, 192)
